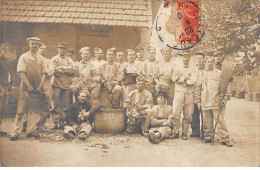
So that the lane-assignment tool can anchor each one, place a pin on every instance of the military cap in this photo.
(42, 44)
(71, 51)
(138, 79)
(138, 48)
(98, 50)
(111, 50)
(33, 38)
(62, 44)
(166, 50)
(151, 48)
(83, 49)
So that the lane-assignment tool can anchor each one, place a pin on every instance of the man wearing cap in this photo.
(47, 87)
(89, 74)
(218, 55)
(185, 79)
(139, 50)
(207, 96)
(120, 62)
(99, 58)
(160, 127)
(163, 74)
(63, 73)
(148, 71)
(32, 70)
(200, 67)
(128, 73)
(79, 117)
(108, 74)
(138, 105)
(5, 83)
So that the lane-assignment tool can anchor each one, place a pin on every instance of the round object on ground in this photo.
(109, 120)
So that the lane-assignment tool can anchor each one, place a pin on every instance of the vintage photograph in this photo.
(129, 83)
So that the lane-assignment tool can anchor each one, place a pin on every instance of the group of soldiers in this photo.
(156, 95)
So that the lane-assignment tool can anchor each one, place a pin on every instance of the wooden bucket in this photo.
(109, 120)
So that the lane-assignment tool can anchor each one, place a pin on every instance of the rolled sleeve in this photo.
(21, 66)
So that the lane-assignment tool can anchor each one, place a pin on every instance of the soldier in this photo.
(89, 75)
(184, 78)
(5, 83)
(160, 127)
(108, 73)
(32, 70)
(79, 117)
(149, 71)
(119, 56)
(47, 87)
(63, 73)
(138, 104)
(195, 124)
(139, 50)
(218, 55)
(163, 75)
(128, 73)
(99, 58)
(207, 96)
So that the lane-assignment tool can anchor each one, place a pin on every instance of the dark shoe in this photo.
(184, 136)
(174, 136)
(82, 136)
(152, 138)
(56, 127)
(33, 135)
(207, 140)
(227, 143)
(195, 135)
(69, 135)
(13, 138)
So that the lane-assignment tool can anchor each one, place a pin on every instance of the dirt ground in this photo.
(243, 121)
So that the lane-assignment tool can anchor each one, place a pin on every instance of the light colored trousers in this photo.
(209, 117)
(183, 102)
(32, 118)
(83, 127)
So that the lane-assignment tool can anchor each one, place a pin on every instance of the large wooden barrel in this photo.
(109, 120)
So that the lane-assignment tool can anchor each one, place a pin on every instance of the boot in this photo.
(152, 138)
(227, 143)
(207, 140)
(56, 127)
(13, 138)
(174, 136)
(33, 135)
(184, 136)
(82, 136)
(61, 122)
(69, 135)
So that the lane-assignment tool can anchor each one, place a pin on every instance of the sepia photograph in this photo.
(129, 83)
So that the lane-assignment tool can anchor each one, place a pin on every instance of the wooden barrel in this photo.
(109, 120)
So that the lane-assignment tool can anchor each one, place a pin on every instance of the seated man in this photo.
(160, 125)
(138, 104)
(108, 73)
(79, 117)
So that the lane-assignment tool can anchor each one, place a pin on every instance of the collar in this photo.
(185, 66)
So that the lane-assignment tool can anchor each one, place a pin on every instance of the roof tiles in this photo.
(98, 12)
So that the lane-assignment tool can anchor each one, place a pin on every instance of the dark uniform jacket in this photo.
(74, 110)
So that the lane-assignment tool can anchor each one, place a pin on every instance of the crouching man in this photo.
(79, 117)
(138, 106)
(160, 123)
